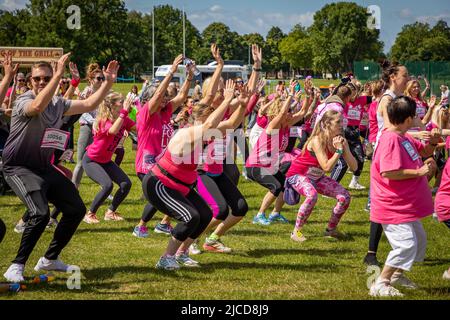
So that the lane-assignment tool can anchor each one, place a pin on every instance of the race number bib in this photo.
(410, 149)
(421, 111)
(354, 114)
(365, 120)
(55, 139)
(315, 173)
(295, 132)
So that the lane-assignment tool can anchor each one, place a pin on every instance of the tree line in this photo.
(338, 36)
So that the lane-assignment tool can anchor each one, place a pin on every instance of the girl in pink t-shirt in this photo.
(400, 196)
(307, 172)
(111, 123)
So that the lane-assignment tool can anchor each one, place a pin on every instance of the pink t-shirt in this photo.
(262, 121)
(104, 145)
(216, 155)
(398, 201)
(421, 108)
(442, 201)
(447, 143)
(373, 122)
(354, 111)
(266, 153)
(154, 133)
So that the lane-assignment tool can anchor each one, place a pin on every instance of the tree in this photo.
(296, 48)
(272, 56)
(12, 32)
(247, 40)
(339, 36)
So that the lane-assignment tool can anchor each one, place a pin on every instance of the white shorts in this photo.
(408, 242)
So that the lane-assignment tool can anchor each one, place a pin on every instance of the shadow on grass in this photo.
(249, 232)
(261, 253)
(436, 262)
(438, 291)
(109, 272)
(105, 230)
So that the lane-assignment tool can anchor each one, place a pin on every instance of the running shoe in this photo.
(212, 245)
(52, 223)
(140, 232)
(194, 248)
(15, 273)
(91, 218)
(164, 228)
(20, 227)
(297, 236)
(446, 275)
(384, 290)
(185, 261)
(356, 186)
(261, 219)
(334, 234)
(402, 280)
(113, 216)
(50, 265)
(277, 218)
(168, 263)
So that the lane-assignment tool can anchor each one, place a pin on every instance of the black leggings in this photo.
(104, 174)
(275, 183)
(149, 210)
(36, 190)
(221, 194)
(354, 142)
(191, 210)
(120, 154)
(232, 171)
(376, 230)
(2, 230)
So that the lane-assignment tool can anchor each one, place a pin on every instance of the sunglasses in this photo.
(38, 79)
(20, 80)
(239, 81)
(100, 78)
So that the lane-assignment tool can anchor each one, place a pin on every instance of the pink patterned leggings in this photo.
(311, 188)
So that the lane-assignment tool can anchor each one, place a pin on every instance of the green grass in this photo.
(265, 263)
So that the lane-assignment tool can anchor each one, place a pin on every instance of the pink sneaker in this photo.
(91, 218)
(113, 216)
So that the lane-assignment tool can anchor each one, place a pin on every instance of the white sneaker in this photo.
(194, 248)
(50, 265)
(384, 290)
(356, 186)
(168, 263)
(186, 261)
(20, 227)
(446, 275)
(15, 273)
(403, 281)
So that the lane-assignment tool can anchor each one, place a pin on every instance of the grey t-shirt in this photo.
(23, 147)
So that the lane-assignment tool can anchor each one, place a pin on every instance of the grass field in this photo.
(265, 263)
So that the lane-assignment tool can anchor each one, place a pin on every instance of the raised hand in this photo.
(432, 102)
(128, 104)
(61, 65)
(338, 142)
(216, 53)
(229, 90)
(178, 60)
(110, 73)
(260, 86)
(10, 69)
(257, 54)
(191, 68)
(74, 71)
(244, 96)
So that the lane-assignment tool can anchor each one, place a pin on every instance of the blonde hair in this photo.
(274, 109)
(438, 118)
(377, 88)
(322, 128)
(408, 89)
(91, 70)
(200, 111)
(104, 111)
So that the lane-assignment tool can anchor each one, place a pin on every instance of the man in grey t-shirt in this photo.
(35, 124)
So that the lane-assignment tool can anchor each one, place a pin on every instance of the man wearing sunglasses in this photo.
(37, 115)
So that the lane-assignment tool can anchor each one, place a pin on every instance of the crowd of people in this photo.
(186, 157)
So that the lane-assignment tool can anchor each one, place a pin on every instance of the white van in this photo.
(228, 72)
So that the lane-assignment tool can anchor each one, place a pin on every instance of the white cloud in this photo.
(215, 8)
(11, 5)
(405, 13)
(433, 19)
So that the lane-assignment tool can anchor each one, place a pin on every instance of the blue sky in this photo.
(247, 16)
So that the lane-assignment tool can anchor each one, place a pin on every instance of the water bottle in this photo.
(189, 62)
(43, 278)
(11, 287)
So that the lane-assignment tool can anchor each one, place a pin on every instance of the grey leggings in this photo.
(105, 174)
(84, 140)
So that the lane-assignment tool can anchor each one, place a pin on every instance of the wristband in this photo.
(123, 114)
(75, 82)
(257, 69)
(340, 151)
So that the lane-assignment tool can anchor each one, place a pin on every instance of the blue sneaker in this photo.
(163, 228)
(261, 219)
(278, 218)
(140, 232)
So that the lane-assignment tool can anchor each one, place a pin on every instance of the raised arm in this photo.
(115, 128)
(208, 96)
(182, 95)
(83, 106)
(10, 71)
(424, 92)
(157, 98)
(276, 122)
(74, 82)
(257, 62)
(429, 114)
(217, 116)
(255, 97)
(239, 115)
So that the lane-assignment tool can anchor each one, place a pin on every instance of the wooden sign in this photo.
(29, 56)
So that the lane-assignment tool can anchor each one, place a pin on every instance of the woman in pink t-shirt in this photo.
(111, 123)
(442, 204)
(400, 196)
(307, 172)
